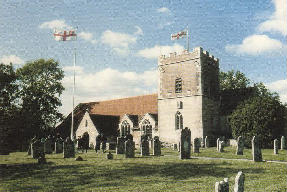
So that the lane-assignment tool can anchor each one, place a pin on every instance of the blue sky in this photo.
(119, 41)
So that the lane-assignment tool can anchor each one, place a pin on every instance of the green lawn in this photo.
(20, 172)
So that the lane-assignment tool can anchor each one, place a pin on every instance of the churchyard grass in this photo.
(20, 172)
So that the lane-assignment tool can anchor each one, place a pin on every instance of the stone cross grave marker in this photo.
(276, 144)
(48, 146)
(256, 150)
(217, 144)
(69, 148)
(196, 145)
(144, 146)
(222, 186)
(185, 139)
(130, 148)
(283, 143)
(206, 142)
(37, 148)
(240, 146)
(239, 182)
(59, 145)
(156, 146)
(120, 145)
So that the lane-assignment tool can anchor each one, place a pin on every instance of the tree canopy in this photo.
(233, 80)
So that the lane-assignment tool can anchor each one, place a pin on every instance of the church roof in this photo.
(106, 124)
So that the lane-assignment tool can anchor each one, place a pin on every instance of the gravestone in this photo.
(48, 145)
(221, 146)
(69, 148)
(239, 182)
(156, 146)
(222, 186)
(178, 147)
(130, 148)
(174, 146)
(144, 146)
(120, 145)
(112, 146)
(283, 143)
(217, 144)
(196, 145)
(256, 150)
(240, 146)
(37, 147)
(206, 142)
(110, 155)
(30, 144)
(59, 145)
(185, 139)
(98, 143)
(79, 158)
(41, 158)
(276, 143)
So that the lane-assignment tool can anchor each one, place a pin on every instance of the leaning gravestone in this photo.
(130, 148)
(283, 143)
(156, 146)
(196, 145)
(120, 145)
(240, 146)
(206, 142)
(69, 148)
(222, 186)
(276, 143)
(256, 150)
(185, 138)
(37, 148)
(144, 146)
(59, 145)
(48, 146)
(217, 144)
(221, 146)
(239, 182)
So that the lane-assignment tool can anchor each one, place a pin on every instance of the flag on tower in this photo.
(65, 35)
(178, 35)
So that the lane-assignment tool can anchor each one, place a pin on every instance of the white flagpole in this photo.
(74, 82)
(187, 38)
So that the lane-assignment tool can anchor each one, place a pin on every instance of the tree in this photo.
(261, 115)
(233, 80)
(40, 89)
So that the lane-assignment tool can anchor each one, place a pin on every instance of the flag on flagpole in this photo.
(179, 35)
(65, 35)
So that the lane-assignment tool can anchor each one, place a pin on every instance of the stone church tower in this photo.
(188, 95)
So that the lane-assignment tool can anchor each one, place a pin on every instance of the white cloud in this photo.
(7, 59)
(278, 20)
(55, 24)
(280, 87)
(120, 42)
(87, 36)
(163, 10)
(139, 31)
(107, 84)
(255, 45)
(158, 50)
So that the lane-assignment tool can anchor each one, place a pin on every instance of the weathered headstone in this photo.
(240, 146)
(222, 186)
(221, 146)
(144, 146)
(69, 148)
(37, 147)
(156, 146)
(217, 144)
(120, 145)
(48, 146)
(130, 149)
(41, 158)
(276, 144)
(283, 143)
(239, 182)
(256, 150)
(59, 145)
(98, 143)
(185, 139)
(206, 142)
(174, 146)
(196, 145)
(110, 155)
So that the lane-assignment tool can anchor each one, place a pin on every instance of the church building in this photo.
(188, 96)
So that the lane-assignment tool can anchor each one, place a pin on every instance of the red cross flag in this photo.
(65, 35)
(178, 35)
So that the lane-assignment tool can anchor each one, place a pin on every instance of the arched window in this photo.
(125, 128)
(178, 85)
(86, 123)
(178, 120)
(147, 128)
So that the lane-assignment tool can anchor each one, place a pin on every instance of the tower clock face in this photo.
(161, 69)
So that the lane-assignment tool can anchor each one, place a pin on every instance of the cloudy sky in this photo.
(119, 40)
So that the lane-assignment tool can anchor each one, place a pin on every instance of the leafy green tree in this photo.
(233, 80)
(40, 89)
(261, 115)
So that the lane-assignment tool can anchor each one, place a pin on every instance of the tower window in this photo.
(178, 121)
(178, 85)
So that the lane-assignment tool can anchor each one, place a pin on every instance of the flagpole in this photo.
(187, 44)
(74, 82)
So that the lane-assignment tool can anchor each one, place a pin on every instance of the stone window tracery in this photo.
(178, 85)
(147, 129)
(178, 120)
(125, 128)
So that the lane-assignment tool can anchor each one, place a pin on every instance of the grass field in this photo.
(19, 172)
